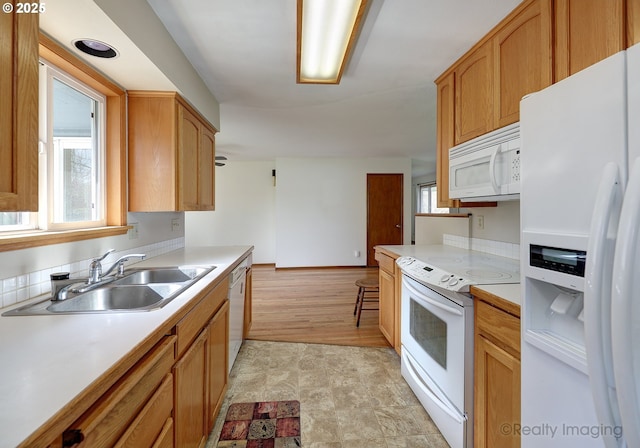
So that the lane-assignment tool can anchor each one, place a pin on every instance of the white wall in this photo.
(321, 209)
(316, 215)
(501, 223)
(244, 214)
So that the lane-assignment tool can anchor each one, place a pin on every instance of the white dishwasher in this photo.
(237, 284)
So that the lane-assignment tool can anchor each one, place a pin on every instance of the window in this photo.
(428, 199)
(71, 186)
(105, 193)
(12, 221)
(72, 154)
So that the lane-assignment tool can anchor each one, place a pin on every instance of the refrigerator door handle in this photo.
(597, 310)
(623, 319)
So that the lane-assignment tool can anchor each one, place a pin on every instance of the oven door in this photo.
(434, 332)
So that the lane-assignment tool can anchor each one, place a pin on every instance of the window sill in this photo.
(44, 238)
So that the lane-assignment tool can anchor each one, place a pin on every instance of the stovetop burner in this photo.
(486, 274)
(456, 269)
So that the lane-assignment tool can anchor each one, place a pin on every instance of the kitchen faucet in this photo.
(120, 264)
(95, 268)
(61, 288)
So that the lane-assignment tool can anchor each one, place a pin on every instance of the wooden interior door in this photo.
(384, 212)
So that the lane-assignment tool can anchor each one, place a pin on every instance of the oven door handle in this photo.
(423, 298)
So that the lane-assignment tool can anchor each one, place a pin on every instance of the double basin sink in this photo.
(142, 289)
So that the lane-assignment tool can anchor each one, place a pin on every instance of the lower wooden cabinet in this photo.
(190, 401)
(387, 305)
(134, 411)
(497, 377)
(217, 363)
(389, 280)
(147, 428)
(201, 372)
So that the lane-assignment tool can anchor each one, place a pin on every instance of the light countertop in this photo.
(509, 292)
(47, 361)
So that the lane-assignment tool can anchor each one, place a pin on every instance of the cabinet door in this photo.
(587, 31)
(153, 161)
(445, 136)
(387, 316)
(474, 94)
(633, 22)
(19, 112)
(522, 59)
(189, 150)
(206, 179)
(497, 396)
(217, 360)
(190, 409)
(151, 421)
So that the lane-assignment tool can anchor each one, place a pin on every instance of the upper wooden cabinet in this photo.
(19, 112)
(171, 154)
(521, 59)
(445, 136)
(633, 22)
(482, 91)
(474, 94)
(587, 31)
(510, 62)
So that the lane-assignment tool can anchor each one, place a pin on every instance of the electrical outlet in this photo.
(480, 222)
(175, 224)
(133, 231)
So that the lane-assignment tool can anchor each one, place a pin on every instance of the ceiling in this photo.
(385, 105)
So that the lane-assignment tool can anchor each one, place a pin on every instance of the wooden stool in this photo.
(367, 285)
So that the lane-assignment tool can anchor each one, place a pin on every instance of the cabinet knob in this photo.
(71, 437)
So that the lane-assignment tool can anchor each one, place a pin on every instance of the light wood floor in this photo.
(313, 306)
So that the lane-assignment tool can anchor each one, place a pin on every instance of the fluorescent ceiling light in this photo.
(327, 31)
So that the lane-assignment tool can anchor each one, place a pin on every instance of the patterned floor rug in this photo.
(264, 424)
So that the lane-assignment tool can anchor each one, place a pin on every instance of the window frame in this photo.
(115, 136)
(46, 214)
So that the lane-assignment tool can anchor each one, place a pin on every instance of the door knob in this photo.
(398, 226)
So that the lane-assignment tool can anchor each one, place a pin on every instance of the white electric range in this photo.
(437, 329)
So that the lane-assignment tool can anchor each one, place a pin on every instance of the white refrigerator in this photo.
(580, 259)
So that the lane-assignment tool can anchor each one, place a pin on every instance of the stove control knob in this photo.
(453, 282)
(445, 278)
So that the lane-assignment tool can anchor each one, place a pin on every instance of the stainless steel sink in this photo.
(143, 289)
(179, 274)
(117, 298)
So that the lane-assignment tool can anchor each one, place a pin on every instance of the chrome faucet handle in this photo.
(95, 268)
(120, 263)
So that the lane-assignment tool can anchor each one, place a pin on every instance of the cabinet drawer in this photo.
(191, 324)
(149, 423)
(165, 439)
(106, 421)
(386, 262)
(500, 327)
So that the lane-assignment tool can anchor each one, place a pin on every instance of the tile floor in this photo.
(350, 397)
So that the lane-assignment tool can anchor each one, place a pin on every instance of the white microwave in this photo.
(487, 167)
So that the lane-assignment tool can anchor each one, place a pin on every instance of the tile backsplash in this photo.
(500, 248)
(32, 284)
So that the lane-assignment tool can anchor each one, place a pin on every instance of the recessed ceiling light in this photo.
(95, 48)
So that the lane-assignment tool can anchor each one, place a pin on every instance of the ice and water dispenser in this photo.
(553, 314)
